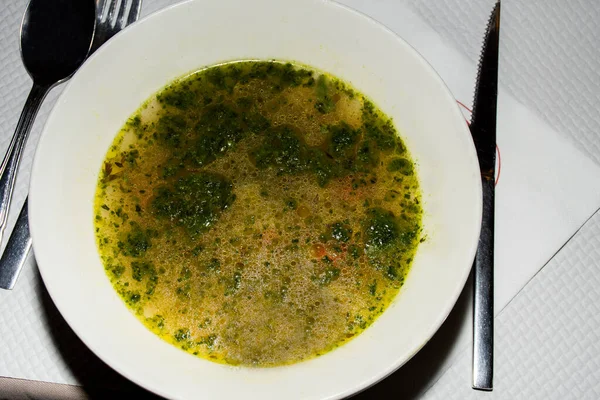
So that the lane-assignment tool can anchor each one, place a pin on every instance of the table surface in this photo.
(548, 337)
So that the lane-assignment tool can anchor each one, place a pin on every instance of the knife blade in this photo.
(483, 131)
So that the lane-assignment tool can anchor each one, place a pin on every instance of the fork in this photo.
(111, 17)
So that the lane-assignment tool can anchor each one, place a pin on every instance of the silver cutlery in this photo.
(55, 39)
(39, 56)
(483, 130)
(112, 16)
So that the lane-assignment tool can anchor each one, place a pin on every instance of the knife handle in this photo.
(483, 304)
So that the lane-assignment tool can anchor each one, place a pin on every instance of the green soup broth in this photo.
(258, 213)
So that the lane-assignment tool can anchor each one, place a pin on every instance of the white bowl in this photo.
(135, 64)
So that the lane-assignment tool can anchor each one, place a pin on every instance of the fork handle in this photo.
(10, 164)
(16, 251)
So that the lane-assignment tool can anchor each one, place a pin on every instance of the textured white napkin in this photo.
(548, 337)
(547, 189)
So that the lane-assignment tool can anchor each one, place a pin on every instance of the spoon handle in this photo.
(10, 164)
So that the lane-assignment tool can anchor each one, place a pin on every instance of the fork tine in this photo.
(121, 15)
(110, 18)
(100, 8)
(134, 11)
(100, 4)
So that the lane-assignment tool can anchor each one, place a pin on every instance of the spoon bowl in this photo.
(55, 38)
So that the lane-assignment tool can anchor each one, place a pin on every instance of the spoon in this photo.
(55, 38)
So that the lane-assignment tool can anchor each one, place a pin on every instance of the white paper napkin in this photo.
(547, 189)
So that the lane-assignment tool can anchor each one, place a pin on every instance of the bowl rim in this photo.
(368, 381)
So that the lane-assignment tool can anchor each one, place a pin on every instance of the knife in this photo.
(483, 130)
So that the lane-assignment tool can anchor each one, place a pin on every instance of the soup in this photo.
(258, 213)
